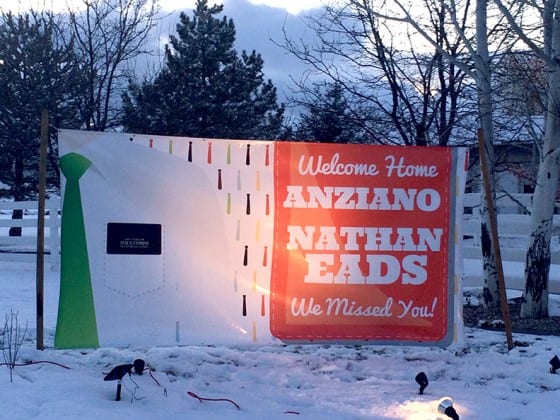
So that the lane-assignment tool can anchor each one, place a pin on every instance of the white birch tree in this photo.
(476, 64)
(483, 78)
(537, 24)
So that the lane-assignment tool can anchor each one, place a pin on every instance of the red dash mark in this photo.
(267, 207)
(244, 310)
(219, 179)
(265, 256)
(151, 143)
(263, 307)
(266, 155)
(209, 156)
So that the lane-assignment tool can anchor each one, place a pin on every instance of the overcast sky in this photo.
(259, 25)
(290, 6)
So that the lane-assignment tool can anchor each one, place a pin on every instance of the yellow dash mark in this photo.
(258, 186)
(263, 290)
(254, 331)
(228, 205)
(170, 147)
(254, 287)
(258, 231)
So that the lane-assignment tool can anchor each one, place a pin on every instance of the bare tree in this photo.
(108, 34)
(11, 340)
(483, 78)
(408, 90)
(537, 25)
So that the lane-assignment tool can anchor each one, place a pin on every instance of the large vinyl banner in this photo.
(169, 240)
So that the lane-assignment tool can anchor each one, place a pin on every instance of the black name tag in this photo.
(134, 238)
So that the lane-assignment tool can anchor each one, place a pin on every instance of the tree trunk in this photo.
(537, 265)
(537, 261)
(491, 293)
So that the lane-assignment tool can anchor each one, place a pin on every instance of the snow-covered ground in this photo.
(484, 380)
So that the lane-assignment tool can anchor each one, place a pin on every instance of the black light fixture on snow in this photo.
(116, 374)
(554, 364)
(422, 380)
(445, 406)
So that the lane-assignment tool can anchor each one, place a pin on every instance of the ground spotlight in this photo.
(117, 374)
(554, 364)
(422, 380)
(445, 406)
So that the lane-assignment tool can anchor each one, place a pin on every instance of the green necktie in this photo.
(76, 325)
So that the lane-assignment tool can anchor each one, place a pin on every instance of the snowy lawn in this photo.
(273, 382)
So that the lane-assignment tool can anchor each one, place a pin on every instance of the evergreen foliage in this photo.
(36, 73)
(328, 118)
(206, 88)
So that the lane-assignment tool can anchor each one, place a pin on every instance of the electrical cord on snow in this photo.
(133, 391)
(35, 363)
(192, 394)
(150, 370)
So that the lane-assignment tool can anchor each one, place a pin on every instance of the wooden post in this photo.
(41, 226)
(495, 239)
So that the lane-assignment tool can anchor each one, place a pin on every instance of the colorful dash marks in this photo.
(266, 240)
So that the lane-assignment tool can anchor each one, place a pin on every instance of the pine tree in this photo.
(36, 73)
(328, 118)
(206, 89)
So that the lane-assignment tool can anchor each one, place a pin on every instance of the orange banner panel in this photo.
(361, 243)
